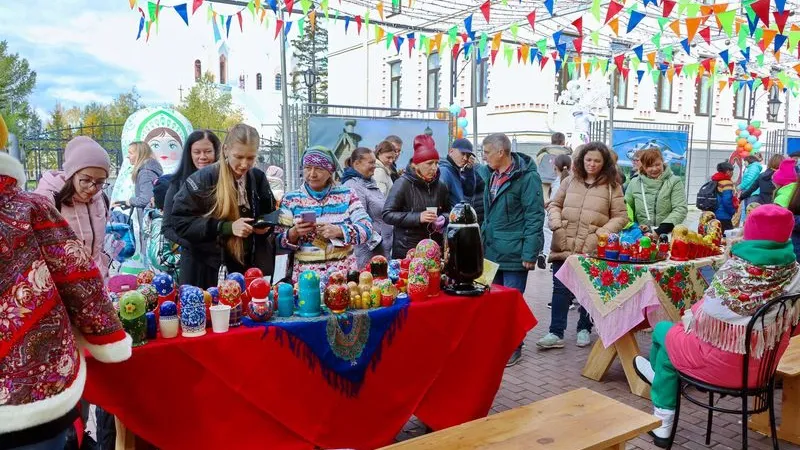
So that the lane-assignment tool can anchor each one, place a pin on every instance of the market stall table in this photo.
(259, 388)
(620, 296)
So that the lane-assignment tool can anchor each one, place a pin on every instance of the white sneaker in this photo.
(644, 369)
(662, 434)
(584, 338)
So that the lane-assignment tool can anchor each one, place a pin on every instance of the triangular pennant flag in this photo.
(761, 8)
(519, 54)
(532, 19)
(549, 4)
(289, 7)
(358, 24)
(651, 58)
(557, 38)
(760, 60)
(562, 49)
(424, 44)
(640, 75)
(670, 75)
(692, 24)
(301, 25)
(678, 69)
(571, 70)
(558, 64)
(228, 26)
(725, 20)
(217, 36)
(379, 7)
(662, 22)
(742, 41)
(656, 40)
(181, 10)
(273, 4)
(451, 34)
(305, 5)
(614, 8)
(482, 46)
(625, 71)
(312, 20)
(706, 63)
(278, 28)
(780, 19)
(455, 50)
(777, 56)
(646, 2)
(766, 82)
(667, 51)
(655, 74)
(541, 44)
(769, 36)
(389, 40)
(692, 9)
(595, 37)
(636, 17)
(619, 61)
(493, 55)
(398, 42)
(346, 23)
(366, 19)
(614, 25)
(496, 41)
(578, 24)
(534, 54)
(485, 7)
(514, 30)
(595, 9)
(525, 52)
(578, 43)
(722, 85)
(468, 24)
(379, 35)
(668, 5)
(639, 52)
(587, 68)
(141, 27)
(675, 26)
(796, 68)
(467, 48)
(196, 4)
(686, 48)
(705, 33)
(508, 52)
(779, 41)
(725, 56)
(287, 27)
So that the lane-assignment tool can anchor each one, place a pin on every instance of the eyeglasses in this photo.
(88, 183)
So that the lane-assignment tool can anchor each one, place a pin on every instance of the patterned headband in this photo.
(318, 158)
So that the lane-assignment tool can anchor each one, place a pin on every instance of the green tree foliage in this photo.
(208, 106)
(311, 51)
(17, 81)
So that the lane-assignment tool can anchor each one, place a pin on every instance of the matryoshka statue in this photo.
(417, 280)
(431, 253)
(132, 309)
(193, 312)
(230, 293)
(145, 277)
(626, 251)
(165, 286)
(388, 292)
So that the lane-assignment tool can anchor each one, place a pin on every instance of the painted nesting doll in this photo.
(168, 319)
(132, 309)
(150, 296)
(705, 218)
(337, 294)
(663, 246)
(165, 286)
(388, 292)
(418, 280)
(145, 277)
(193, 312)
(230, 294)
(613, 247)
(285, 300)
(602, 242)
(431, 253)
(309, 295)
(379, 267)
(680, 243)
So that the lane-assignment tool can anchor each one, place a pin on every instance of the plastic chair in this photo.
(763, 390)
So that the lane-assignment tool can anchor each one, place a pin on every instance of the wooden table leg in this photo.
(599, 361)
(125, 439)
(627, 349)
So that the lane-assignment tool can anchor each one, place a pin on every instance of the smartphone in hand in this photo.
(309, 217)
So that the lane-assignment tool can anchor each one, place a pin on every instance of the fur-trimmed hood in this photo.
(9, 166)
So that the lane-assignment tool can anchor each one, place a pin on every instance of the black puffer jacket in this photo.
(477, 198)
(410, 195)
(203, 253)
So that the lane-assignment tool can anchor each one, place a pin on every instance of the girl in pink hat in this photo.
(785, 180)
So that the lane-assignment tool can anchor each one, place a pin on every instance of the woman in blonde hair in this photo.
(216, 210)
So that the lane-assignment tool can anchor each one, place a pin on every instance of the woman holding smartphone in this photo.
(216, 209)
(323, 221)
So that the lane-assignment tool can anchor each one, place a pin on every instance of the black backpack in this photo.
(707, 197)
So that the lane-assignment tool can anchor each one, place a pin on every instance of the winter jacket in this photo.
(167, 226)
(145, 179)
(763, 186)
(410, 195)
(477, 198)
(383, 177)
(373, 200)
(460, 181)
(579, 213)
(87, 220)
(726, 204)
(337, 205)
(750, 177)
(53, 307)
(783, 195)
(665, 199)
(205, 236)
(512, 225)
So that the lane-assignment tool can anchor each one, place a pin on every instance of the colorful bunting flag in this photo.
(634, 20)
(668, 5)
(780, 19)
(692, 24)
(181, 10)
(578, 24)
(726, 21)
(614, 25)
(532, 19)
(578, 43)
(485, 7)
(761, 9)
(289, 7)
(614, 8)
(550, 4)
(639, 51)
(705, 33)
(686, 48)
(379, 7)
(779, 41)
(780, 5)
(675, 26)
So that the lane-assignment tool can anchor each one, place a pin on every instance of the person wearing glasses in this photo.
(77, 192)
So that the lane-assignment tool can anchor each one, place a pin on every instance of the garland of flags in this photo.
(768, 29)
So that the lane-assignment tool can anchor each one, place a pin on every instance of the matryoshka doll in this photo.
(145, 277)
(602, 242)
(680, 243)
(418, 280)
(132, 309)
(193, 312)
(251, 274)
(695, 244)
(365, 286)
(663, 246)
(230, 293)
(388, 292)
(168, 319)
(644, 248)
(613, 247)
(705, 218)
(285, 299)
(244, 297)
(150, 296)
(337, 294)
(430, 251)
(714, 229)
(309, 301)
(165, 286)
(379, 267)
(260, 307)
(355, 295)
(626, 251)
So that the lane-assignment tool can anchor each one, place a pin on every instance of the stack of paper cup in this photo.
(220, 318)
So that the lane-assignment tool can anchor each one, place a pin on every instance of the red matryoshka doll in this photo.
(680, 243)
(379, 267)
(418, 280)
(602, 242)
(613, 247)
(705, 218)
(644, 248)
(431, 253)
(626, 251)
(663, 246)
(337, 294)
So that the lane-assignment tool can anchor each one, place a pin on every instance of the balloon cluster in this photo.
(747, 142)
(458, 119)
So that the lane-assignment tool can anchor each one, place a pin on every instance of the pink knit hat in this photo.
(785, 174)
(769, 223)
(82, 152)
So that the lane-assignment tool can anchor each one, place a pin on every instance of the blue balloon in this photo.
(742, 126)
(462, 122)
(744, 134)
(757, 145)
(752, 139)
(455, 109)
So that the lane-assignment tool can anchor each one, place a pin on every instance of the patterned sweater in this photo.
(340, 207)
(50, 288)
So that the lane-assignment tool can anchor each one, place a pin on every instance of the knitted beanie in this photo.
(3, 133)
(82, 152)
(785, 174)
(424, 149)
(769, 223)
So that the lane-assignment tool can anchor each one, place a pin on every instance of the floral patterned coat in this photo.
(48, 285)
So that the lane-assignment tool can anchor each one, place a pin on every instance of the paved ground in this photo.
(544, 374)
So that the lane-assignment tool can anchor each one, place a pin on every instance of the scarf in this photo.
(349, 173)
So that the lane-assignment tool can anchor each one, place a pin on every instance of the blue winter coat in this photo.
(750, 177)
(725, 204)
(460, 182)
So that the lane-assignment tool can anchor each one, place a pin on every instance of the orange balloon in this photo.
(460, 133)
(737, 130)
(748, 147)
(741, 142)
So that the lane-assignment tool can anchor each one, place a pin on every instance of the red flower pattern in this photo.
(594, 271)
(623, 277)
(607, 278)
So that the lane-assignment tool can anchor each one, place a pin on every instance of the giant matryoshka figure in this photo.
(165, 130)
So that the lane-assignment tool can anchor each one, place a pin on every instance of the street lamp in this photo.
(310, 78)
(773, 105)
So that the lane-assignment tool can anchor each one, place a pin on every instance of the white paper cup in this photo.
(168, 326)
(220, 318)
(432, 209)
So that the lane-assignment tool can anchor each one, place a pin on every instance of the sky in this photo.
(86, 50)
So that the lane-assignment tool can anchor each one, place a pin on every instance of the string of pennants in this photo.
(759, 24)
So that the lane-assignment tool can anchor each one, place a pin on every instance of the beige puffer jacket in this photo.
(579, 213)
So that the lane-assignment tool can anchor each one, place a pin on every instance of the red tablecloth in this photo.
(244, 390)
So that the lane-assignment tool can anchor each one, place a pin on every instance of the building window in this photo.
(741, 103)
(394, 86)
(434, 68)
(278, 84)
(620, 89)
(703, 105)
(258, 81)
(241, 82)
(483, 81)
(664, 95)
(223, 69)
(198, 70)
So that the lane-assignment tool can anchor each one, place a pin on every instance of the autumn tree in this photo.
(17, 81)
(208, 106)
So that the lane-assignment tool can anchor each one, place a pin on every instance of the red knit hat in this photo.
(424, 149)
(769, 223)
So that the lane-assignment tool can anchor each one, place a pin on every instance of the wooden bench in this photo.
(789, 369)
(579, 419)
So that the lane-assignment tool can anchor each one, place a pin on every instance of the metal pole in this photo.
(786, 123)
(474, 100)
(710, 125)
(611, 105)
(287, 133)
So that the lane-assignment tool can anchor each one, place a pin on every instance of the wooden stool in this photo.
(579, 419)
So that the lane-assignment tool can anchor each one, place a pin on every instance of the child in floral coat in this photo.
(710, 343)
(50, 288)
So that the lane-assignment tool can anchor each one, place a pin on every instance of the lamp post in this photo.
(310, 78)
(773, 105)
